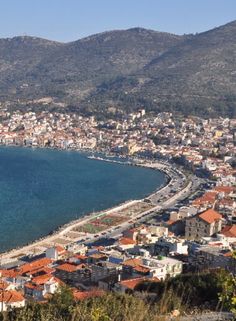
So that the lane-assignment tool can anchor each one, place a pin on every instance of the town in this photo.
(188, 225)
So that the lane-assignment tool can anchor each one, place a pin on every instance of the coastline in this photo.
(34, 247)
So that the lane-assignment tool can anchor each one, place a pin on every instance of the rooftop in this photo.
(210, 216)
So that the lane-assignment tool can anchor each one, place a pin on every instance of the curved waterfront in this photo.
(43, 189)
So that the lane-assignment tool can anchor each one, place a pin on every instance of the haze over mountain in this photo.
(119, 71)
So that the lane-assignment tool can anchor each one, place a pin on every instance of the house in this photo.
(161, 267)
(55, 252)
(131, 234)
(108, 283)
(78, 259)
(128, 265)
(129, 285)
(203, 224)
(125, 243)
(150, 267)
(30, 268)
(34, 291)
(229, 231)
(11, 299)
(82, 295)
(166, 245)
(40, 286)
(176, 227)
(102, 270)
(203, 257)
(158, 231)
(72, 273)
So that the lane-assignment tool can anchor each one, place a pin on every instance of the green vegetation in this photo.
(112, 220)
(215, 290)
(117, 72)
(90, 228)
(110, 307)
(212, 290)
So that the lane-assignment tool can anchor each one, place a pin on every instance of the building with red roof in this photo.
(203, 224)
(29, 268)
(82, 295)
(40, 286)
(229, 231)
(130, 284)
(11, 299)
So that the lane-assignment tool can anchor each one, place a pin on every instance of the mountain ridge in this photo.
(115, 72)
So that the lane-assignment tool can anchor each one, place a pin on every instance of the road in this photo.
(179, 188)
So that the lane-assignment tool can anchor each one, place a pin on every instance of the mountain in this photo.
(18, 55)
(119, 71)
(196, 76)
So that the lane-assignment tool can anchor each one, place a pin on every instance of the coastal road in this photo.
(163, 199)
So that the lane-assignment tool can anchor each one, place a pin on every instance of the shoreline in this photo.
(15, 253)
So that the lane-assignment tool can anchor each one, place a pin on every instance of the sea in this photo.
(42, 189)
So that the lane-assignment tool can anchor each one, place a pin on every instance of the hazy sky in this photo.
(67, 20)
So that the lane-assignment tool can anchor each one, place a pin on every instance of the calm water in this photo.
(42, 189)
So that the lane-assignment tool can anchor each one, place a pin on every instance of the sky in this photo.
(68, 20)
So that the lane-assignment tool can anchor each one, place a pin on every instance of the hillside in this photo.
(191, 296)
(196, 76)
(18, 55)
(120, 71)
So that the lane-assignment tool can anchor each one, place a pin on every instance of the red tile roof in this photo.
(210, 216)
(30, 267)
(67, 267)
(132, 262)
(207, 198)
(42, 270)
(170, 222)
(131, 284)
(33, 286)
(9, 273)
(42, 279)
(60, 249)
(126, 241)
(11, 296)
(79, 295)
(81, 257)
(229, 231)
(141, 269)
(228, 254)
(225, 189)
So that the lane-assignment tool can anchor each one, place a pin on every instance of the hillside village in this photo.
(197, 234)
